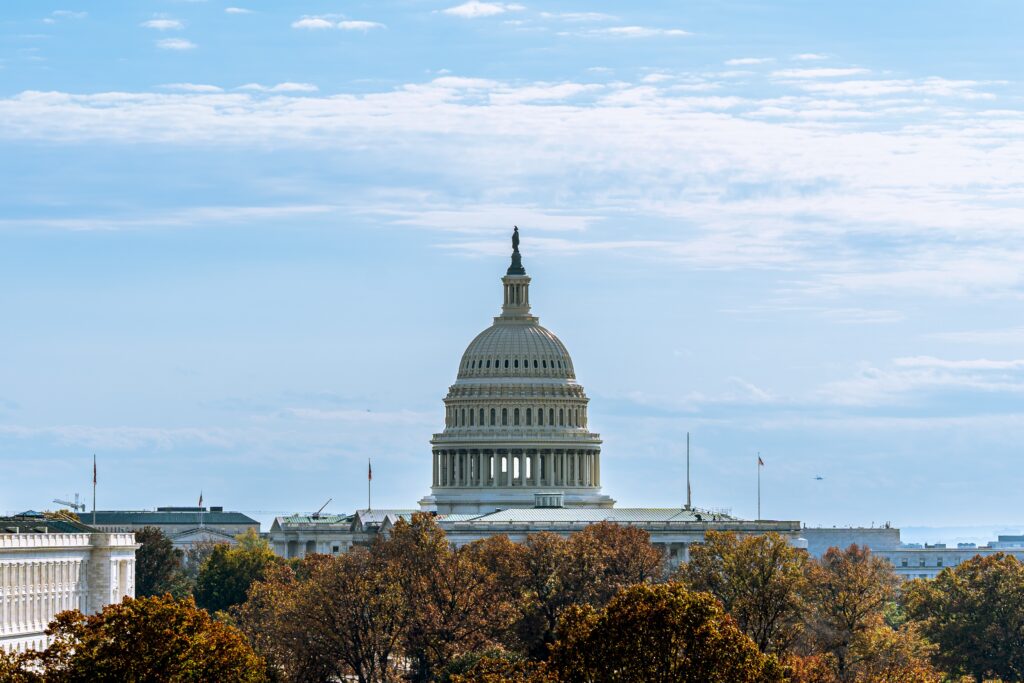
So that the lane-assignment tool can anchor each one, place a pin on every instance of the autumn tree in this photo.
(974, 612)
(609, 557)
(225, 576)
(145, 639)
(848, 591)
(760, 581)
(158, 565)
(452, 596)
(658, 633)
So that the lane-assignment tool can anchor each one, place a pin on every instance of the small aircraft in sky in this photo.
(819, 478)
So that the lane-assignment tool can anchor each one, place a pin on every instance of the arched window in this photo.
(488, 362)
(504, 417)
(561, 417)
(540, 416)
(506, 362)
(534, 363)
(492, 416)
(544, 363)
(462, 417)
(517, 362)
(470, 417)
(481, 417)
(515, 417)
(529, 417)
(551, 417)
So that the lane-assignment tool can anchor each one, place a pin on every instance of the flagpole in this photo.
(688, 501)
(759, 486)
(94, 489)
(369, 483)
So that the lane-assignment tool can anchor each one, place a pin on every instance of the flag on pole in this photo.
(369, 471)
(760, 462)
(93, 469)
(200, 499)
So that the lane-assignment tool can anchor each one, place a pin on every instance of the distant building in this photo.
(51, 565)
(185, 526)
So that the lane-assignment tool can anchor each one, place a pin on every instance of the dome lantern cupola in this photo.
(516, 306)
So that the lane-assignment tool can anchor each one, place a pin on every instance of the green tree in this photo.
(659, 633)
(226, 574)
(158, 565)
(974, 612)
(146, 639)
(760, 581)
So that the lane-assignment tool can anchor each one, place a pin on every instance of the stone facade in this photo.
(46, 568)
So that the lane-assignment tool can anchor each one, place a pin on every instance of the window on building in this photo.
(481, 417)
(462, 418)
(515, 417)
(517, 362)
(938, 562)
(903, 562)
(561, 417)
(335, 549)
(488, 362)
(534, 363)
(540, 417)
(506, 362)
(470, 417)
(544, 364)
(551, 416)
(921, 562)
(529, 416)
(504, 417)
(492, 417)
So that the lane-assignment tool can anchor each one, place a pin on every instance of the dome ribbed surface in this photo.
(516, 350)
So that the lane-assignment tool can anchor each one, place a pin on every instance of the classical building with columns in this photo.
(52, 565)
(516, 455)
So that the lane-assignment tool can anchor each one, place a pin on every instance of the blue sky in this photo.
(242, 247)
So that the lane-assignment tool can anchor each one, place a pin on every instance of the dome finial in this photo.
(517, 260)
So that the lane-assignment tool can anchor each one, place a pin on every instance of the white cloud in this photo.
(475, 9)
(578, 16)
(163, 24)
(192, 87)
(68, 14)
(972, 364)
(280, 87)
(1013, 335)
(176, 44)
(237, 10)
(744, 61)
(819, 73)
(359, 25)
(808, 57)
(312, 23)
(638, 32)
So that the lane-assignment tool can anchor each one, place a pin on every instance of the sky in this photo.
(243, 246)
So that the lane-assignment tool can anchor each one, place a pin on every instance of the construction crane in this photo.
(316, 515)
(76, 506)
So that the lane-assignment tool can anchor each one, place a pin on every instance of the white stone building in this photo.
(49, 566)
(516, 455)
(184, 526)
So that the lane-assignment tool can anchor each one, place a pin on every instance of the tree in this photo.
(658, 633)
(610, 557)
(145, 639)
(848, 591)
(451, 596)
(975, 614)
(760, 581)
(225, 576)
(158, 565)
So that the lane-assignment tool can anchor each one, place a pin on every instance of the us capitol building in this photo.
(516, 456)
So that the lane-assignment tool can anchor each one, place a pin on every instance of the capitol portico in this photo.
(515, 432)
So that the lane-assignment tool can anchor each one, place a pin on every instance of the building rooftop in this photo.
(36, 523)
(587, 514)
(171, 515)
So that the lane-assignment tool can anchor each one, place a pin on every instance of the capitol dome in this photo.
(515, 419)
